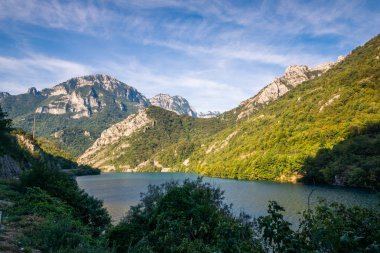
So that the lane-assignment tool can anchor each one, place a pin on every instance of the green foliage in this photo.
(170, 140)
(327, 228)
(49, 224)
(56, 234)
(38, 202)
(60, 185)
(274, 142)
(188, 217)
(54, 149)
(277, 235)
(5, 123)
(353, 162)
(84, 170)
(21, 109)
(277, 141)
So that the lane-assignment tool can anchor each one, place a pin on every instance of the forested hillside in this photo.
(275, 141)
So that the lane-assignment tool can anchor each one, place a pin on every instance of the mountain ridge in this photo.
(79, 109)
(274, 142)
(293, 76)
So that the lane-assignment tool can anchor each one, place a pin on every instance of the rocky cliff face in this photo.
(76, 112)
(4, 95)
(96, 155)
(87, 95)
(209, 114)
(175, 104)
(293, 76)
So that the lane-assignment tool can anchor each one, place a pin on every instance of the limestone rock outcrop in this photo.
(4, 95)
(293, 76)
(125, 128)
(87, 95)
(175, 104)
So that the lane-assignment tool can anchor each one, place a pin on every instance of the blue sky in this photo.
(214, 53)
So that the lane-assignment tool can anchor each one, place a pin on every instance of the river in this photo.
(119, 191)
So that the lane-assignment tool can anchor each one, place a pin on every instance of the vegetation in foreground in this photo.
(191, 217)
(46, 210)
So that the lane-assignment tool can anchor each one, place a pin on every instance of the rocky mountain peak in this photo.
(86, 95)
(175, 104)
(4, 95)
(33, 91)
(293, 76)
(105, 82)
(296, 74)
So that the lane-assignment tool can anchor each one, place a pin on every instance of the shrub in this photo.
(188, 217)
(60, 185)
(327, 228)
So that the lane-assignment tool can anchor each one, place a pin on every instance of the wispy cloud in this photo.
(207, 51)
(41, 71)
(248, 52)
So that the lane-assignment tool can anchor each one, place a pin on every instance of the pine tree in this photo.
(5, 124)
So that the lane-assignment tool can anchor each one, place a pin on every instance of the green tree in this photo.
(327, 228)
(188, 217)
(60, 185)
(5, 123)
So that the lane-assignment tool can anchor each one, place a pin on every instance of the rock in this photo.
(329, 102)
(111, 135)
(58, 134)
(293, 76)
(84, 96)
(175, 104)
(27, 143)
(4, 95)
(33, 91)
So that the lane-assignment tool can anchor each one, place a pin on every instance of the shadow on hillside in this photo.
(353, 162)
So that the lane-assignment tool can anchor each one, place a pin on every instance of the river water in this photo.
(119, 191)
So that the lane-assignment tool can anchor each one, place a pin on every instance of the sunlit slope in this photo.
(274, 142)
(152, 139)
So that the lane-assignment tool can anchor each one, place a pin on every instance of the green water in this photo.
(119, 191)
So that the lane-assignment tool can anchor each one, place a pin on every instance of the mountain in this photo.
(276, 140)
(294, 75)
(208, 114)
(4, 95)
(84, 96)
(134, 143)
(311, 109)
(19, 152)
(175, 104)
(75, 112)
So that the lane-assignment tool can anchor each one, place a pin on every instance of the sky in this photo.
(214, 53)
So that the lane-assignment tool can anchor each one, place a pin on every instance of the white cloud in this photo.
(248, 52)
(220, 39)
(41, 71)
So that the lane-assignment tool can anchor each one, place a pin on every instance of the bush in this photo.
(38, 202)
(328, 228)
(188, 217)
(60, 185)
